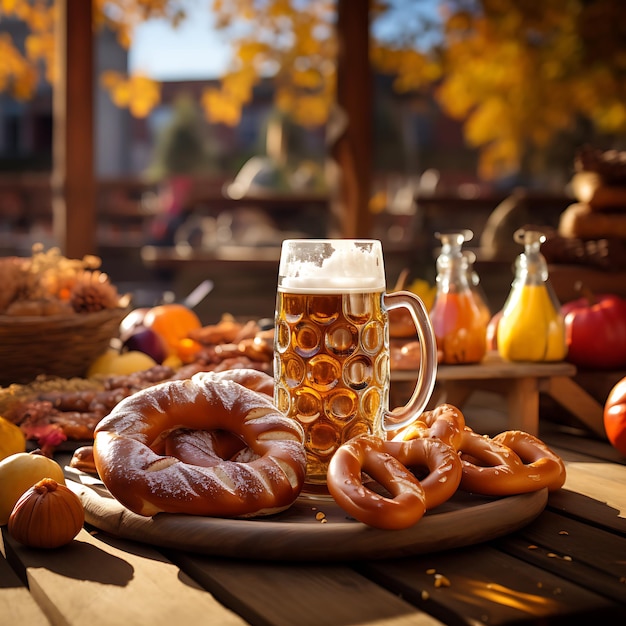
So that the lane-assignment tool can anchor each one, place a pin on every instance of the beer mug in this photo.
(331, 346)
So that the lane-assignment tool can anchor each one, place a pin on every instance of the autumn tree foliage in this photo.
(517, 73)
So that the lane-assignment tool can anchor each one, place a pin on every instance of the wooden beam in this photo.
(353, 149)
(74, 214)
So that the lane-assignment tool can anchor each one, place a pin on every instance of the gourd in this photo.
(48, 515)
(12, 439)
(20, 471)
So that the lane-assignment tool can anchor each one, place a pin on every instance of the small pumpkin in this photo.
(48, 515)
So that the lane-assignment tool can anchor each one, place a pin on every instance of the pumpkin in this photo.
(615, 416)
(21, 471)
(173, 322)
(12, 439)
(48, 515)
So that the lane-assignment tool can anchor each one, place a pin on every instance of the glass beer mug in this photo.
(331, 346)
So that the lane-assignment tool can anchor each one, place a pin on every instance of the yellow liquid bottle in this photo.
(531, 327)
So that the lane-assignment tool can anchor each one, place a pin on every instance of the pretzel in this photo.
(434, 463)
(445, 422)
(512, 462)
(128, 441)
(368, 453)
(249, 378)
(387, 462)
(82, 459)
(205, 448)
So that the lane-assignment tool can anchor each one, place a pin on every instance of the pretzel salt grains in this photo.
(126, 444)
(445, 422)
(436, 465)
(370, 454)
(250, 378)
(513, 462)
(542, 464)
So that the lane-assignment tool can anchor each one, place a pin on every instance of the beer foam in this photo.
(331, 266)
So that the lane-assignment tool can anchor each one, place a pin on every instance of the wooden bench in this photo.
(520, 384)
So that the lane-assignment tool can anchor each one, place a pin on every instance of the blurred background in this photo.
(182, 140)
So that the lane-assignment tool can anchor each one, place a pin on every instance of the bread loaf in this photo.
(580, 221)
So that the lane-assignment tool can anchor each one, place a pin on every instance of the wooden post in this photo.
(353, 149)
(73, 204)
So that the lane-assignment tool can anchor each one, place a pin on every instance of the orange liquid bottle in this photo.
(459, 324)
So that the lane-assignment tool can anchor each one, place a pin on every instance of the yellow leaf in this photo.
(249, 50)
(138, 93)
(486, 122)
(238, 85)
(307, 79)
(219, 108)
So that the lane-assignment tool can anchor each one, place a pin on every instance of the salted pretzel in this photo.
(445, 422)
(249, 378)
(389, 464)
(129, 441)
(370, 454)
(205, 448)
(435, 463)
(512, 462)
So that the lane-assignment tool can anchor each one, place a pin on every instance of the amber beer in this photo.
(331, 346)
(332, 368)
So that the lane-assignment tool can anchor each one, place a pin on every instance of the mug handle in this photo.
(427, 375)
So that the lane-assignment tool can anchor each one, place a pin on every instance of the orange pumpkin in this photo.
(48, 515)
(173, 322)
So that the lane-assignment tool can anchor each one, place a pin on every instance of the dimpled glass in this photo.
(332, 363)
(331, 346)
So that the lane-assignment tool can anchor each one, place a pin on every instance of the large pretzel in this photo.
(129, 450)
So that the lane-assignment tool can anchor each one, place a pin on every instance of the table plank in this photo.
(99, 580)
(570, 442)
(283, 594)
(16, 604)
(603, 482)
(589, 510)
(491, 587)
(588, 556)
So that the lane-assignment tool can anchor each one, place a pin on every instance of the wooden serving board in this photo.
(311, 529)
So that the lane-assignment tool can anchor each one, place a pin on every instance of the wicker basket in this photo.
(56, 345)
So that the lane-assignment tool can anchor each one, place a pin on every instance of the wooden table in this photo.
(520, 384)
(567, 565)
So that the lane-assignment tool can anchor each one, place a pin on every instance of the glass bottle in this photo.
(473, 280)
(459, 325)
(531, 327)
